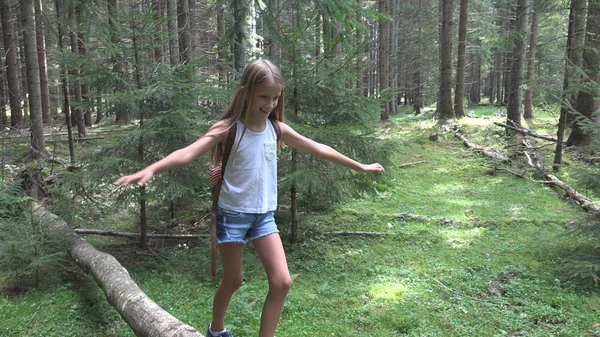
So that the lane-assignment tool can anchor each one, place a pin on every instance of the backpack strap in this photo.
(275, 124)
(216, 174)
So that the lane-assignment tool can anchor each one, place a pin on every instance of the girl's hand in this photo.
(376, 167)
(140, 177)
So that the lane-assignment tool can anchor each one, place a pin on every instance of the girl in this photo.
(248, 196)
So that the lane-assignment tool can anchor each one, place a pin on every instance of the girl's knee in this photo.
(232, 283)
(281, 283)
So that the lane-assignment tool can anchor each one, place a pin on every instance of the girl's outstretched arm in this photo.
(298, 141)
(178, 158)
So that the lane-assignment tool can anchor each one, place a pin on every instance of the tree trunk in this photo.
(417, 101)
(360, 41)
(3, 115)
(238, 44)
(193, 28)
(157, 16)
(444, 106)
(531, 63)
(393, 59)
(76, 112)
(587, 98)
(475, 89)
(459, 93)
(144, 316)
(492, 82)
(140, 149)
(99, 107)
(498, 77)
(173, 35)
(85, 89)
(221, 50)
(507, 57)
(185, 41)
(505, 78)
(12, 71)
(295, 111)
(384, 56)
(515, 95)
(33, 78)
(64, 72)
(41, 51)
(122, 116)
(575, 40)
(274, 47)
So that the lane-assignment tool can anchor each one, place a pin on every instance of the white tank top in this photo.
(250, 180)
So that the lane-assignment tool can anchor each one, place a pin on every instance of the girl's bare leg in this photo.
(270, 251)
(231, 260)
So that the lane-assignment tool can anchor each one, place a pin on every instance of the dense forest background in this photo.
(148, 77)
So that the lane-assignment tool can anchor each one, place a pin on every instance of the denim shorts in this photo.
(238, 227)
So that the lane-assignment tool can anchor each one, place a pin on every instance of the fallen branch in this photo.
(52, 135)
(471, 220)
(441, 221)
(343, 233)
(142, 314)
(75, 139)
(410, 164)
(476, 148)
(520, 175)
(527, 132)
(581, 199)
(85, 231)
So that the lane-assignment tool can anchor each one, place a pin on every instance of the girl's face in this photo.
(264, 99)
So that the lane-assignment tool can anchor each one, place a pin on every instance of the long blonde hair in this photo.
(257, 72)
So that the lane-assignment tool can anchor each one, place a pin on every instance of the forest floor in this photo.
(464, 249)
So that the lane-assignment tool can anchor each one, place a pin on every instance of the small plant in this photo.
(30, 254)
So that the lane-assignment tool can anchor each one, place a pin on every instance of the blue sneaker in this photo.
(225, 333)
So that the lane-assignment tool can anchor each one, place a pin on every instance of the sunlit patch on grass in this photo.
(477, 121)
(387, 291)
(462, 238)
(427, 124)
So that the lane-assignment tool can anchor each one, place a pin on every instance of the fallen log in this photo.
(527, 132)
(581, 199)
(476, 148)
(86, 231)
(144, 316)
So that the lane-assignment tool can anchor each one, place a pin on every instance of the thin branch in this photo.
(85, 231)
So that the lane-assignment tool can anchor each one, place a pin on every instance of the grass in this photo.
(491, 269)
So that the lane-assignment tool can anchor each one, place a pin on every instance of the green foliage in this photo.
(325, 110)
(583, 260)
(323, 104)
(172, 120)
(12, 201)
(31, 255)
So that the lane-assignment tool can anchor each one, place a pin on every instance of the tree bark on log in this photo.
(527, 132)
(142, 314)
(477, 148)
(581, 199)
